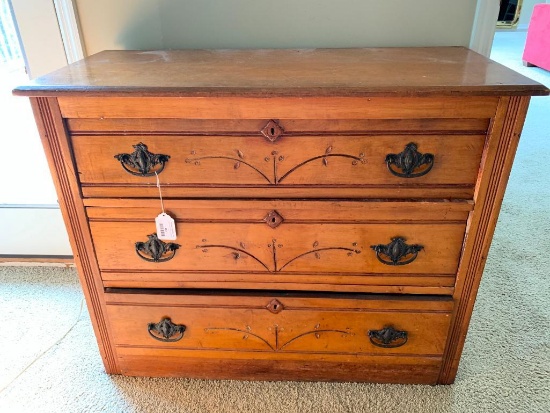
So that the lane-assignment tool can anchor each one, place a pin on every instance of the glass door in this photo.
(29, 214)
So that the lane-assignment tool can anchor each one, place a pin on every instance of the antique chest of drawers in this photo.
(333, 208)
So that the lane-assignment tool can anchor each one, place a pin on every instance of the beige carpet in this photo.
(49, 360)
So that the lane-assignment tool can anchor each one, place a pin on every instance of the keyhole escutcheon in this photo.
(272, 130)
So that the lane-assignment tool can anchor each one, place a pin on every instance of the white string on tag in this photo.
(166, 226)
(160, 192)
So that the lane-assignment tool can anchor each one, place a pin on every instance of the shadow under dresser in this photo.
(333, 207)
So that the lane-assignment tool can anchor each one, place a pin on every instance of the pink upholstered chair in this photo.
(537, 46)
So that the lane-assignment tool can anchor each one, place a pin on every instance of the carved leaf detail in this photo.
(317, 255)
(329, 150)
(237, 165)
(317, 326)
(315, 244)
(325, 161)
(317, 335)
(241, 155)
(242, 245)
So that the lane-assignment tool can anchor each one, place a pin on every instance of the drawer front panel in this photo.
(300, 265)
(293, 162)
(278, 324)
(278, 107)
(290, 248)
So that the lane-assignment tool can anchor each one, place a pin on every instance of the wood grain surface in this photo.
(299, 325)
(329, 72)
(275, 276)
(331, 108)
(311, 338)
(289, 161)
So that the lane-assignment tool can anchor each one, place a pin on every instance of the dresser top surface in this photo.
(432, 71)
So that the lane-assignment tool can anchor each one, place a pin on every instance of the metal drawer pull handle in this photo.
(388, 337)
(408, 161)
(396, 252)
(141, 162)
(166, 331)
(154, 249)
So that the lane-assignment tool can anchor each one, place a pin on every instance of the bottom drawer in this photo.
(286, 336)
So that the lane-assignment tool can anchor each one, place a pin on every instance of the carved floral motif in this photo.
(276, 159)
(238, 252)
(317, 332)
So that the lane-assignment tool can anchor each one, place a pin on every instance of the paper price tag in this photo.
(166, 227)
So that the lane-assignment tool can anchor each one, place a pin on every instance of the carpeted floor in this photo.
(49, 360)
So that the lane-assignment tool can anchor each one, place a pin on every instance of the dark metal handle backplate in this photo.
(388, 337)
(155, 250)
(166, 331)
(412, 164)
(397, 252)
(141, 162)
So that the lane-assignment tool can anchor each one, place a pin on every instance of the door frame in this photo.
(484, 26)
(69, 27)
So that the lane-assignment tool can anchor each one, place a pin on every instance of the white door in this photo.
(30, 219)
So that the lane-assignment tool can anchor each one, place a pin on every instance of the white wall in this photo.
(526, 12)
(33, 231)
(159, 24)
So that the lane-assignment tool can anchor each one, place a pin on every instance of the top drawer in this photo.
(277, 107)
(310, 147)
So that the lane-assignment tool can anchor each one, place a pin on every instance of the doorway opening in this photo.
(26, 179)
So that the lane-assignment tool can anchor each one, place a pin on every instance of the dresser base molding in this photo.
(413, 370)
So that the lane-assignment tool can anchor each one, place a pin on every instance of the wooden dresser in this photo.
(334, 208)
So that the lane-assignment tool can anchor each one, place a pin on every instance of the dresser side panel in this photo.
(495, 170)
(58, 153)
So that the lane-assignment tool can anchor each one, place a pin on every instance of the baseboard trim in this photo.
(29, 206)
(37, 260)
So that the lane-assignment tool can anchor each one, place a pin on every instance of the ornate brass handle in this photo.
(154, 249)
(166, 331)
(141, 162)
(396, 252)
(388, 337)
(409, 161)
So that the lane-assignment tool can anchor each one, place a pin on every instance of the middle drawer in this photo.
(295, 244)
